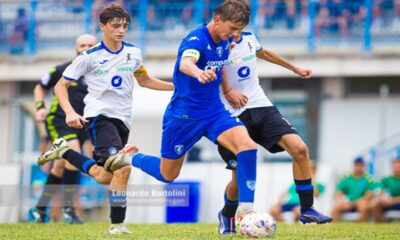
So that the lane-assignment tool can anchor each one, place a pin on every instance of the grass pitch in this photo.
(55, 231)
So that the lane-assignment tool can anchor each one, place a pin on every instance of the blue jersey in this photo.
(192, 99)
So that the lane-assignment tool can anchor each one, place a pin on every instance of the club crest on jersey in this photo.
(179, 149)
(251, 184)
(220, 51)
(233, 163)
(112, 151)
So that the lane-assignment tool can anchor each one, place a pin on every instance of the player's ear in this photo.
(102, 26)
(217, 18)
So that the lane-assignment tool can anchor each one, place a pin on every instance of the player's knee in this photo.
(247, 144)
(299, 151)
(58, 168)
(170, 176)
(123, 173)
(103, 179)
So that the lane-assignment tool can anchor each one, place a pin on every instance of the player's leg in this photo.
(61, 150)
(70, 182)
(53, 181)
(177, 138)
(52, 185)
(226, 216)
(237, 140)
(276, 134)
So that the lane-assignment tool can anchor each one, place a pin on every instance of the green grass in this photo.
(56, 231)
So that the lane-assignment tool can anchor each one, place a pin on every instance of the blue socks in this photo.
(150, 165)
(246, 175)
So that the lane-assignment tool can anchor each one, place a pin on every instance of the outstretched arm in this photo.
(272, 57)
(147, 81)
(72, 118)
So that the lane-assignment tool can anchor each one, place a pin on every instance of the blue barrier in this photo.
(185, 214)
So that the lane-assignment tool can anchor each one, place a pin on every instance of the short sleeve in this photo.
(192, 46)
(256, 43)
(47, 81)
(79, 67)
(342, 185)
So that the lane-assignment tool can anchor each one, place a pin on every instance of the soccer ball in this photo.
(257, 224)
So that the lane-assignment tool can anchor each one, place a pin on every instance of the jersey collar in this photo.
(108, 50)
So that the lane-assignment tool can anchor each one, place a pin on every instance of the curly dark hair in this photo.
(234, 10)
(114, 12)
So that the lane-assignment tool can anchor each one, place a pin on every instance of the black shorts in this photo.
(57, 128)
(108, 136)
(266, 126)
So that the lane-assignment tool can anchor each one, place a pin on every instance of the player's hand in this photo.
(41, 115)
(305, 73)
(236, 99)
(75, 120)
(207, 76)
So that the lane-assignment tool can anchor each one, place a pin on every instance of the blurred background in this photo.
(349, 109)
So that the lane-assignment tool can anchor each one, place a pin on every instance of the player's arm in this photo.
(188, 66)
(147, 81)
(272, 57)
(235, 98)
(72, 118)
(39, 94)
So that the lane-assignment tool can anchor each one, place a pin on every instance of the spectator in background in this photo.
(354, 12)
(19, 36)
(389, 196)
(354, 192)
(330, 17)
(289, 201)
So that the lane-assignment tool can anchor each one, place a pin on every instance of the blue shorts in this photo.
(179, 135)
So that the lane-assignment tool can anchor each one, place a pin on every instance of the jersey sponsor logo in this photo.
(251, 184)
(116, 82)
(178, 149)
(244, 73)
(241, 60)
(217, 65)
(220, 51)
(125, 69)
(194, 38)
(100, 72)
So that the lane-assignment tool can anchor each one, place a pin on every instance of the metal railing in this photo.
(29, 26)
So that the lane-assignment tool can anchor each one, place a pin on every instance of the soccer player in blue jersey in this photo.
(196, 109)
(109, 69)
